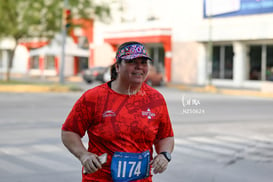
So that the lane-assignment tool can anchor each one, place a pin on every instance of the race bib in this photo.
(130, 166)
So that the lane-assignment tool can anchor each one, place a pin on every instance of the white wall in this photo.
(69, 66)
(20, 60)
(249, 27)
(7, 43)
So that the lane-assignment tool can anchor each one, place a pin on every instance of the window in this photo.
(34, 62)
(157, 53)
(255, 62)
(49, 62)
(222, 62)
(82, 63)
(261, 62)
(216, 62)
(269, 63)
(83, 43)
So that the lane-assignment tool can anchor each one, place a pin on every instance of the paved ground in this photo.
(76, 83)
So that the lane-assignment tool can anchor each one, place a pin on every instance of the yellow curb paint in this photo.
(33, 88)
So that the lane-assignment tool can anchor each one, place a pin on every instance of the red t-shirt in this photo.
(116, 122)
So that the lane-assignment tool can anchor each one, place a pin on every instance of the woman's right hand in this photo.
(90, 162)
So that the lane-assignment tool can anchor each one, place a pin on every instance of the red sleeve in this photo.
(80, 117)
(165, 128)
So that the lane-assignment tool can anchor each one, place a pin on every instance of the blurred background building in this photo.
(226, 43)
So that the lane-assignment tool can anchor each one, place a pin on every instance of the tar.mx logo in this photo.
(148, 113)
(191, 105)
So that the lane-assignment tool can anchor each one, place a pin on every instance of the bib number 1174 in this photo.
(130, 166)
(133, 167)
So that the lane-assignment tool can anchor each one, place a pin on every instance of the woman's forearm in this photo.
(73, 143)
(165, 145)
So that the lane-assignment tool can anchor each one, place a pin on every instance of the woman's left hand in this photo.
(159, 164)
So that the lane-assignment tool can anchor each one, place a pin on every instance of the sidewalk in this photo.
(72, 84)
(37, 84)
(226, 91)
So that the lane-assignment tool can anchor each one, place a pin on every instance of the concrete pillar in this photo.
(202, 67)
(239, 63)
(4, 64)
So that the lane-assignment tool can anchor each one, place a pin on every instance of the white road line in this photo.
(50, 148)
(36, 154)
(264, 139)
(198, 146)
(12, 168)
(13, 151)
(196, 153)
(237, 140)
(214, 141)
(250, 143)
(48, 163)
(224, 148)
(46, 148)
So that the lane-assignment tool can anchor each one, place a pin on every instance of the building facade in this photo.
(219, 42)
(226, 43)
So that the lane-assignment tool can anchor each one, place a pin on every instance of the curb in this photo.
(213, 89)
(33, 88)
(21, 88)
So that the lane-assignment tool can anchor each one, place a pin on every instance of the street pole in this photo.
(63, 44)
(210, 53)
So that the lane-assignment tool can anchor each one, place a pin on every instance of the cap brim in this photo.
(129, 57)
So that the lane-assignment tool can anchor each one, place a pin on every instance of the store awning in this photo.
(71, 49)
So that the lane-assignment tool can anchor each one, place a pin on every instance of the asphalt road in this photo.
(219, 138)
